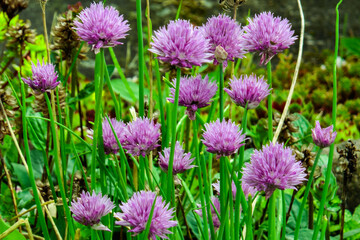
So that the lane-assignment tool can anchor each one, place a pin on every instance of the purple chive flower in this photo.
(135, 213)
(248, 89)
(110, 143)
(194, 93)
(181, 45)
(44, 78)
(182, 161)
(214, 215)
(273, 167)
(323, 137)
(89, 209)
(222, 138)
(268, 35)
(225, 32)
(101, 27)
(246, 189)
(141, 136)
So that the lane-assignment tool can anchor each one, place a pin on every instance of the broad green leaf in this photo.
(352, 45)
(22, 176)
(14, 235)
(120, 88)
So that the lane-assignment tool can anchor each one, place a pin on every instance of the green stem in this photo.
(178, 10)
(161, 104)
(242, 148)
(249, 229)
(283, 215)
(221, 92)
(112, 93)
(270, 126)
(307, 190)
(141, 57)
(331, 153)
(272, 207)
(224, 192)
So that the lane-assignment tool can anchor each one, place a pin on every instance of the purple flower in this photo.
(248, 190)
(268, 35)
(181, 45)
(182, 161)
(101, 27)
(141, 136)
(323, 137)
(273, 167)
(89, 209)
(135, 213)
(44, 78)
(222, 138)
(214, 215)
(233, 188)
(248, 89)
(245, 187)
(225, 32)
(194, 93)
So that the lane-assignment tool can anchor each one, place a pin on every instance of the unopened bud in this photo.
(220, 54)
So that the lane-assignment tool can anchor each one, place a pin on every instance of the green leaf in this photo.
(13, 235)
(351, 233)
(25, 198)
(120, 88)
(40, 128)
(352, 45)
(304, 132)
(22, 175)
(190, 218)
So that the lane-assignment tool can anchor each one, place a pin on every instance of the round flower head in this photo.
(248, 89)
(89, 209)
(135, 214)
(273, 167)
(101, 27)
(268, 35)
(214, 215)
(194, 93)
(182, 161)
(44, 78)
(222, 138)
(225, 32)
(141, 136)
(323, 137)
(181, 45)
(246, 189)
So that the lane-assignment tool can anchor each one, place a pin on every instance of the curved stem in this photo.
(270, 125)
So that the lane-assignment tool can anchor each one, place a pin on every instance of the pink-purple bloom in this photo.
(222, 138)
(135, 214)
(181, 45)
(182, 161)
(214, 216)
(44, 78)
(268, 35)
(194, 93)
(273, 167)
(248, 89)
(141, 136)
(90, 208)
(245, 187)
(101, 27)
(323, 137)
(224, 31)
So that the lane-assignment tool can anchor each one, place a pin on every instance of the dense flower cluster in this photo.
(273, 167)
(245, 187)
(101, 27)
(268, 35)
(323, 137)
(194, 93)
(90, 208)
(222, 138)
(248, 89)
(44, 78)
(224, 31)
(181, 45)
(135, 214)
(182, 161)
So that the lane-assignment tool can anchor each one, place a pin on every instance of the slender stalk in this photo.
(270, 125)
(306, 193)
(178, 10)
(141, 57)
(272, 207)
(242, 148)
(224, 192)
(249, 228)
(161, 104)
(283, 230)
(221, 92)
(43, 8)
(331, 153)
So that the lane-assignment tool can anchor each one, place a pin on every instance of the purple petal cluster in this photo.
(141, 136)
(224, 31)
(110, 143)
(101, 27)
(214, 215)
(222, 138)
(268, 35)
(89, 209)
(182, 161)
(323, 137)
(135, 214)
(248, 89)
(181, 45)
(245, 187)
(44, 78)
(273, 167)
(194, 93)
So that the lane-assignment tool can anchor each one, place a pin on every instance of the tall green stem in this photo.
(249, 229)
(331, 153)
(242, 148)
(221, 92)
(141, 57)
(307, 190)
(272, 207)
(270, 126)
